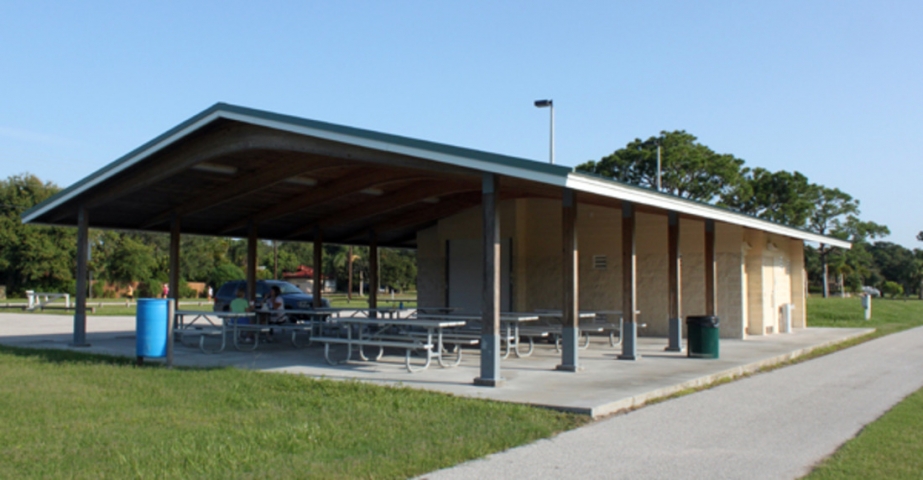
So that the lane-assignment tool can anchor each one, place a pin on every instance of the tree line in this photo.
(43, 258)
(694, 171)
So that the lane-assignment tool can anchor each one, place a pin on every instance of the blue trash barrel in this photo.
(151, 327)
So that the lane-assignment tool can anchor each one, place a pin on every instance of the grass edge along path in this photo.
(890, 447)
(77, 415)
(888, 316)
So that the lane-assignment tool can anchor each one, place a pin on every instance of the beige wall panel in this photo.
(796, 253)
(599, 232)
(692, 249)
(728, 242)
(540, 282)
(652, 275)
(521, 243)
(754, 266)
(430, 269)
(431, 248)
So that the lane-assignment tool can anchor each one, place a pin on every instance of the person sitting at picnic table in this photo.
(274, 305)
(241, 305)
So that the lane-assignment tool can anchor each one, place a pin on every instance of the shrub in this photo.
(150, 289)
(224, 272)
(185, 291)
(892, 289)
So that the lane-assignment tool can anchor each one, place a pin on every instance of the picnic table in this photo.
(410, 334)
(510, 320)
(205, 324)
(554, 330)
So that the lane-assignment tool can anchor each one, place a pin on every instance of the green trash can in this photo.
(702, 335)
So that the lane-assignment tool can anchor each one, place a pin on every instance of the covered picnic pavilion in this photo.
(240, 172)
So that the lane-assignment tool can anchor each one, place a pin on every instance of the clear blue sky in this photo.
(833, 89)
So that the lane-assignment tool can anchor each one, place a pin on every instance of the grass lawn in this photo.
(888, 316)
(892, 446)
(110, 306)
(74, 415)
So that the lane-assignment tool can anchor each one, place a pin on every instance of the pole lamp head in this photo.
(544, 103)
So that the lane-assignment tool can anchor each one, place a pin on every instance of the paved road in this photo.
(775, 425)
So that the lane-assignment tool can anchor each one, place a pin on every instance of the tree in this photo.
(832, 205)
(31, 256)
(224, 272)
(899, 264)
(781, 197)
(131, 260)
(689, 169)
(398, 268)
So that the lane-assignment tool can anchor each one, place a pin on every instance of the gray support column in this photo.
(174, 284)
(629, 285)
(490, 303)
(373, 272)
(171, 316)
(251, 261)
(711, 299)
(80, 307)
(675, 333)
(569, 318)
(318, 286)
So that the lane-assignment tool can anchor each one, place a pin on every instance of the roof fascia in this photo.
(458, 156)
(612, 189)
(438, 152)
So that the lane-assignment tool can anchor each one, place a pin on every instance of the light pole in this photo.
(550, 104)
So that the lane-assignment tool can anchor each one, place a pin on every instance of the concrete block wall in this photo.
(756, 241)
(746, 289)
(728, 257)
(799, 277)
(780, 248)
(692, 250)
(430, 269)
(431, 285)
(651, 248)
(599, 232)
(539, 271)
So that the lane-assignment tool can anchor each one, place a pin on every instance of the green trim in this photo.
(402, 141)
(697, 203)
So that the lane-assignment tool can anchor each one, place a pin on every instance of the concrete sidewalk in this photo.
(775, 425)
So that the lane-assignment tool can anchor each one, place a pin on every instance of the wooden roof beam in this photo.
(408, 195)
(244, 184)
(348, 184)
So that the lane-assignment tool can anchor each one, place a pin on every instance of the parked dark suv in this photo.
(292, 297)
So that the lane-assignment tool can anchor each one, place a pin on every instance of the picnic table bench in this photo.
(392, 333)
(207, 324)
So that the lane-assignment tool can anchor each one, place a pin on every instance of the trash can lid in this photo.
(703, 320)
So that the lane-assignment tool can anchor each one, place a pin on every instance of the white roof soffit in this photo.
(606, 188)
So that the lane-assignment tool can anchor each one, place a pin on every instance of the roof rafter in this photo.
(346, 185)
(408, 195)
(241, 186)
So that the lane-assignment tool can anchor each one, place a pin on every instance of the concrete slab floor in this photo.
(604, 385)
